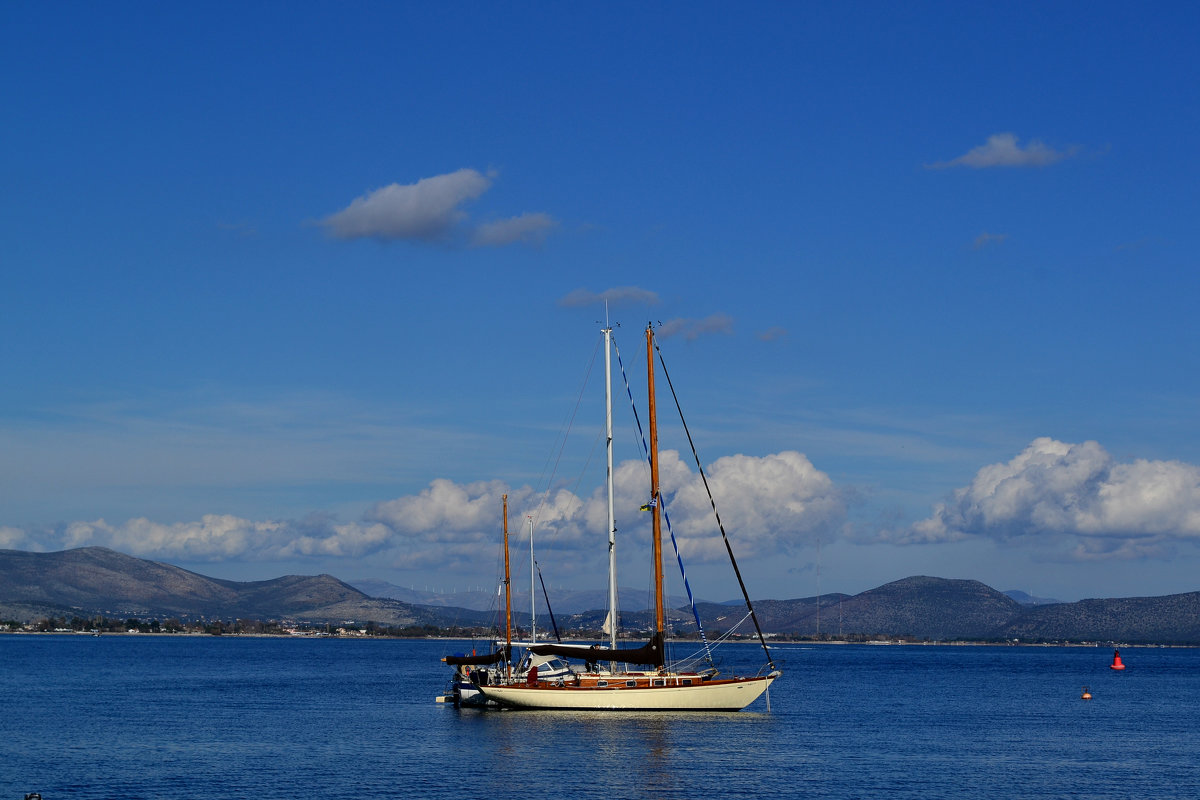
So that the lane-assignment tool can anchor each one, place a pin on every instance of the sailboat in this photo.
(473, 670)
(497, 666)
(658, 687)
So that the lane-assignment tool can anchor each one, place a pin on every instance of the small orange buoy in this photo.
(1086, 694)
(1116, 664)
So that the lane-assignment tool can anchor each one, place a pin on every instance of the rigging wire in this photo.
(713, 503)
(547, 596)
(666, 517)
(564, 435)
(696, 657)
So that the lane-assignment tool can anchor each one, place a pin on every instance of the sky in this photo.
(300, 288)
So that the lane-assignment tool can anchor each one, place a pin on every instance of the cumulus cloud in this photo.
(425, 210)
(349, 540)
(1074, 496)
(1003, 150)
(769, 504)
(526, 228)
(12, 538)
(772, 503)
(445, 506)
(432, 210)
(215, 537)
(692, 329)
(617, 296)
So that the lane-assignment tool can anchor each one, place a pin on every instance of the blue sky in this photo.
(299, 288)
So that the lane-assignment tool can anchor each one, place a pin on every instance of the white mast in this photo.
(532, 593)
(612, 524)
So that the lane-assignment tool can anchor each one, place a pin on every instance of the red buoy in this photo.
(1116, 664)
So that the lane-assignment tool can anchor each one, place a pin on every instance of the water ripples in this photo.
(175, 718)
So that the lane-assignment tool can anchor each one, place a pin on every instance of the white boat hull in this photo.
(717, 695)
(468, 695)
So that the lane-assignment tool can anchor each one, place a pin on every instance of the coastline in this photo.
(778, 644)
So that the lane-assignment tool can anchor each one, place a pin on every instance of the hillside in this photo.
(941, 609)
(1169, 619)
(94, 581)
(920, 606)
(930, 608)
(809, 615)
(98, 581)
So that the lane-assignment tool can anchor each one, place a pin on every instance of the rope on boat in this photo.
(728, 635)
(666, 517)
(713, 503)
(546, 595)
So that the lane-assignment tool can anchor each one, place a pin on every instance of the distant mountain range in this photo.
(563, 601)
(94, 581)
(1026, 599)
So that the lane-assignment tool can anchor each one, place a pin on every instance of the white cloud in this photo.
(530, 228)
(1002, 150)
(214, 537)
(1074, 496)
(12, 538)
(444, 506)
(450, 522)
(692, 329)
(350, 540)
(618, 295)
(431, 210)
(768, 504)
(425, 210)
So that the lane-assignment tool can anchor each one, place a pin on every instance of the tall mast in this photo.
(656, 512)
(507, 588)
(612, 523)
(532, 588)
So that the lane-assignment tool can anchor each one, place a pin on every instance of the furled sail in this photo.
(478, 661)
(650, 653)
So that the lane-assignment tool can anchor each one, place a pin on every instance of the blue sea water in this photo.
(168, 717)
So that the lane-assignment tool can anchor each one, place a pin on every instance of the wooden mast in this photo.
(507, 595)
(655, 511)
